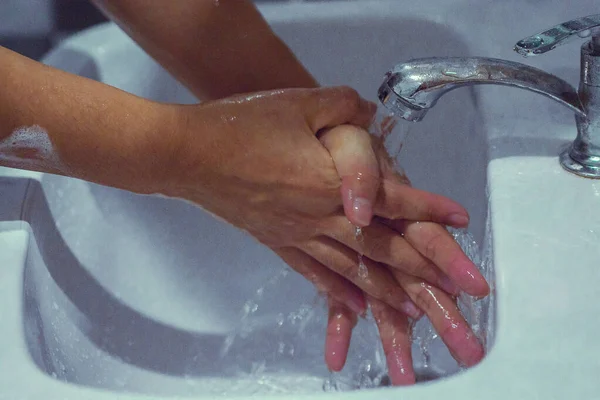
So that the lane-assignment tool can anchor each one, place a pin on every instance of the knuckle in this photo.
(429, 212)
(396, 207)
(445, 331)
(400, 210)
(420, 210)
(432, 245)
(383, 294)
(424, 299)
(415, 266)
(349, 96)
(378, 250)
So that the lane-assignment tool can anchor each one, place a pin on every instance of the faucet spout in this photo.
(412, 88)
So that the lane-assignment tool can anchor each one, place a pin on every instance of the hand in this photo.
(441, 261)
(272, 199)
(260, 166)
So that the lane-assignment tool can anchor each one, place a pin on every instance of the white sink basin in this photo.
(109, 294)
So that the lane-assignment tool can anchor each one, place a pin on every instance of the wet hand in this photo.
(426, 263)
(256, 162)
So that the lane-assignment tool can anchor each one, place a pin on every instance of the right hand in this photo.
(440, 257)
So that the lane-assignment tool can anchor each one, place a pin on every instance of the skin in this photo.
(188, 38)
(225, 156)
(433, 258)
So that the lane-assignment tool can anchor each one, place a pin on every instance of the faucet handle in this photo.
(560, 34)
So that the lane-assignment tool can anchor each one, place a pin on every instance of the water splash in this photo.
(279, 353)
(477, 312)
(363, 271)
(265, 348)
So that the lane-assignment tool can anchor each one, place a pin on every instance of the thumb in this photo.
(356, 163)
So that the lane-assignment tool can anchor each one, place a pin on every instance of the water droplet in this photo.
(585, 34)
(363, 271)
(358, 234)
(280, 319)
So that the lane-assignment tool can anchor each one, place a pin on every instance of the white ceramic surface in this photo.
(116, 293)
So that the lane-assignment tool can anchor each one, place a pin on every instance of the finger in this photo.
(324, 279)
(394, 330)
(399, 201)
(376, 281)
(385, 245)
(445, 318)
(436, 244)
(355, 161)
(339, 331)
(333, 106)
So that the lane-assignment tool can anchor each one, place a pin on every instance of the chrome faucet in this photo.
(412, 88)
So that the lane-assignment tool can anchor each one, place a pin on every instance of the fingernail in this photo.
(357, 306)
(363, 211)
(448, 286)
(458, 220)
(411, 309)
(473, 352)
(463, 344)
(474, 283)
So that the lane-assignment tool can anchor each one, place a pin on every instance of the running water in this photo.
(283, 353)
(363, 271)
(394, 133)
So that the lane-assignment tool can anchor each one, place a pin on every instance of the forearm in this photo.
(215, 48)
(52, 121)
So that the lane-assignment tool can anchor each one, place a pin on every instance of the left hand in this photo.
(440, 255)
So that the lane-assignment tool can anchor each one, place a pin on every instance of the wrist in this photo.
(182, 148)
(157, 144)
(89, 130)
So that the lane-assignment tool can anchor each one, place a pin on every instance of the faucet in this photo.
(410, 89)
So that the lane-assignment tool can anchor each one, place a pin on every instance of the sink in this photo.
(110, 294)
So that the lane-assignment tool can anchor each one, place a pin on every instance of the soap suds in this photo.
(30, 148)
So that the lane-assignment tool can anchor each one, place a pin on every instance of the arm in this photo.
(216, 49)
(52, 121)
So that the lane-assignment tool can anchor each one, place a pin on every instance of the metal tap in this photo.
(412, 88)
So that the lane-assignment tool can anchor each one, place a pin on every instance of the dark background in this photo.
(32, 27)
